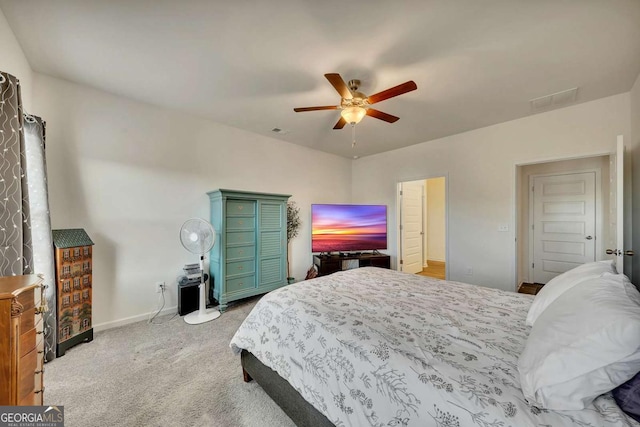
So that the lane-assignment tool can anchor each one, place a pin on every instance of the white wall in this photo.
(635, 159)
(131, 174)
(480, 166)
(603, 227)
(436, 219)
(13, 61)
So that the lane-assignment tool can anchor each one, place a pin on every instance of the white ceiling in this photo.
(248, 63)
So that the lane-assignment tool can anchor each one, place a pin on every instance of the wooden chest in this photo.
(21, 340)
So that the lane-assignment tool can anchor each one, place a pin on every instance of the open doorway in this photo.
(423, 227)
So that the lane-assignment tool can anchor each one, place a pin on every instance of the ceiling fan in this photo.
(355, 105)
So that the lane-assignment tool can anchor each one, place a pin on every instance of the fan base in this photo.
(201, 316)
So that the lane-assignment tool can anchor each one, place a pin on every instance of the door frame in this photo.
(515, 207)
(598, 210)
(446, 218)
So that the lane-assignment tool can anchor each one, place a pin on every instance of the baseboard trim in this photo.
(133, 319)
(435, 261)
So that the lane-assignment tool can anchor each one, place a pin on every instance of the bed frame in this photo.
(292, 403)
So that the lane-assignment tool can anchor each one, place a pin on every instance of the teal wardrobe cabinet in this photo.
(250, 253)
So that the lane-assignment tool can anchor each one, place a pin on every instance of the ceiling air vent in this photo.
(555, 100)
(280, 131)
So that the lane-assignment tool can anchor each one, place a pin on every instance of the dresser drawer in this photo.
(34, 397)
(27, 299)
(241, 223)
(37, 381)
(30, 338)
(241, 207)
(37, 296)
(27, 373)
(31, 399)
(241, 267)
(241, 283)
(237, 238)
(240, 252)
(27, 341)
(28, 319)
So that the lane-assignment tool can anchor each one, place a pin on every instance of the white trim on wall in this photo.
(132, 319)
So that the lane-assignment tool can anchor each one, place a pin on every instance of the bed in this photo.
(377, 347)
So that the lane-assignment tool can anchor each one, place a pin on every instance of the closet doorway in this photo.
(423, 227)
(565, 216)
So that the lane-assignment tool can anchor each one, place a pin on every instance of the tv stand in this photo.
(327, 264)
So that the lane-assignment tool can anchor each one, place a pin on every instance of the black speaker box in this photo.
(188, 298)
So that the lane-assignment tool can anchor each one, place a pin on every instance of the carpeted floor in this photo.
(172, 374)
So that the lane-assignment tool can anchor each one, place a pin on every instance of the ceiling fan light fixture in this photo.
(353, 115)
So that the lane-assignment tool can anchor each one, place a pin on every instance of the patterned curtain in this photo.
(42, 241)
(25, 226)
(15, 225)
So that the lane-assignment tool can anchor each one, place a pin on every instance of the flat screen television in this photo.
(348, 227)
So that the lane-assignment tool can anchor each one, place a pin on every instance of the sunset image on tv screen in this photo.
(348, 227)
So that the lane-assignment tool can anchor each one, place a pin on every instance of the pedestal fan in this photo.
(198, 237)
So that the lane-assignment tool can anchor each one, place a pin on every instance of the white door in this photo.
(563, 222)
(616, 247)
(411, 221)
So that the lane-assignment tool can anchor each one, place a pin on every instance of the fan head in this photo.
(197, 236)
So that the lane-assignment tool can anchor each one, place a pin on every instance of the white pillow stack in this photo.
(584, 343)
(565, 281)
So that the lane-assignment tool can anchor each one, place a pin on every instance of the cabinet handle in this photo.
(240, 252)
(240, 222)
(240, 207)
(41, 371)
(39, 391)
(240, 267)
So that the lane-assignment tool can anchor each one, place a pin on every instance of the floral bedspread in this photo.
(377, 347)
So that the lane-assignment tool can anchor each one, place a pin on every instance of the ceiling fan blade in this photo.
(382, 116)
(325, 107)
(394, 91)
(339, 84)
(340, 123)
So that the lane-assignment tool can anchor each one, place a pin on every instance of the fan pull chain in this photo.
(353, 135)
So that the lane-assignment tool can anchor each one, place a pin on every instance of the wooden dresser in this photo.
(250, 253)
(21, 340)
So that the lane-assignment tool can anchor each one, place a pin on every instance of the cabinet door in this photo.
(272, 243)
(382, 262)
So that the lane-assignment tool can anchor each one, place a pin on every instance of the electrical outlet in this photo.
(469, 271)
(160, 287)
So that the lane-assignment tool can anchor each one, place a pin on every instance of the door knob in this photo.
(629, 253)
(611, 252)
(589, 237)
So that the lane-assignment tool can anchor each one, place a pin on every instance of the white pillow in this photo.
(587, 342)
(565, 281)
